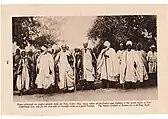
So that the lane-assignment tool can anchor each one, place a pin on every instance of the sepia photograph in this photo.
(84, 58)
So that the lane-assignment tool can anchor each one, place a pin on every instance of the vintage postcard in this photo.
(84, 59)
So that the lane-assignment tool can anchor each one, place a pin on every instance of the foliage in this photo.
(24, 30)
(117, 29)
(36, 31)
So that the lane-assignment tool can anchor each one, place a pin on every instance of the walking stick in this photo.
(74, 75)
(125, 70)
(124, 77)
(21, 93)
(123, 85)
(106, 69)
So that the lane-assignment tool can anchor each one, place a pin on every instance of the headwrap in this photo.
(23, 50)
(63, 45)
(129, 43)
(121, 44)
(43, 48)
(153, 46)
(107, 44)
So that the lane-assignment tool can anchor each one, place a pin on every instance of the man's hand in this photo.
(50, 72)
(118, 75)
(135, 65)
(106, 56)
(97, 75)
(37, 70)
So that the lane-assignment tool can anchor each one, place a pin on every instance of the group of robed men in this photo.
(70, 70)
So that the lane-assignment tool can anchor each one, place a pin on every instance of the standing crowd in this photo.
(68, 70)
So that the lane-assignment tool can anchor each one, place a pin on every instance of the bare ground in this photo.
(93, 95)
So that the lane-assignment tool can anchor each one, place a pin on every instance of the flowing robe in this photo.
(45, 77)
(23, 78)
(78, 66)
(128, 72)
(119, 55)
(32, 68)
(88, 69)
(143, 56)
(66, 75)
(108, 67)
(141, 69)
(152, 61)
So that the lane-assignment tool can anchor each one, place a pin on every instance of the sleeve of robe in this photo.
(51, 65)
(57, 58)
(136, 58)
(123, 67)
(116, 62)
(38, 60)
(100, 61)
(148, 55)
(93, 61)
(51, 62)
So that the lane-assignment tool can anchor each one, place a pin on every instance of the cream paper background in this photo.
(9, 11)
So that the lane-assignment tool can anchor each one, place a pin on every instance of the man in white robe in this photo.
(120, 52)
(66, 74)
(45, 70)
(128, 72)
(141, 62)
(108, 66)
(88, 68)
(152, 65)
(23, 78)
(119, 55)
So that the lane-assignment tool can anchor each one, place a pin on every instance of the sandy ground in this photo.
(93, 95)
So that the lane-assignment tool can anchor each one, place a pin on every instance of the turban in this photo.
(63, 45)
(153, 46)
(43, 48)
(23, 50)
(129, 43)
(121, 44)
(50, 49)
(106, 43)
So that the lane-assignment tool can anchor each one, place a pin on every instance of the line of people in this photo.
(79, 69)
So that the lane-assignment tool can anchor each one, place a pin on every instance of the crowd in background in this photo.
(66, 70)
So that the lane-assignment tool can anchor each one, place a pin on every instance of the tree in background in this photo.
(117, 29)
(50, 29)
(36, 31)
(24, 29)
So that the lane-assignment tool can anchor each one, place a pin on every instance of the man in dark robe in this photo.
(16, 58)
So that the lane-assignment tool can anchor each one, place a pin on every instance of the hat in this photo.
(43, 48)
(63, 45)
(153, 46)
(23, 50)
(50, 49)
(121, 44)
(106, 43)
(129, 43)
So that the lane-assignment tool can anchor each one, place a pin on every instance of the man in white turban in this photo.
(120, 52)
(107, 66)
(88, 60)
(152, 64)
(45, 69)
(128, 72)
(142, 63)
(66, 74)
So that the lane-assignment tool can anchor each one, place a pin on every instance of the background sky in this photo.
(74, 30)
